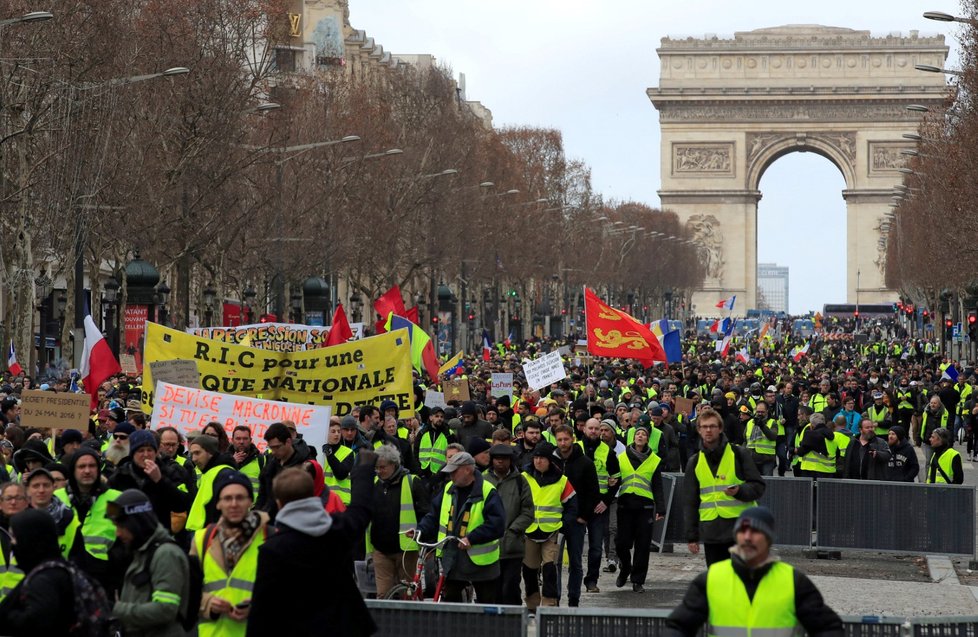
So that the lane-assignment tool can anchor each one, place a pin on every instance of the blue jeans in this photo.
(574, 541)
(595, 545)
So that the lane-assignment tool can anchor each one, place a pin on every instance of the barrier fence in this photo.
(857, 515)
(444, 619)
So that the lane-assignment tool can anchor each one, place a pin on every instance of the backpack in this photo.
(195, 574)
(93, 611)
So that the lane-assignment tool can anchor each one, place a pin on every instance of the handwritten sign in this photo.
(684, 406)
(456, 390)
(176, 372)
(434, 399)
(190, 409)
(54, 410)
(128, 364)
(545, 370)
(501, 384)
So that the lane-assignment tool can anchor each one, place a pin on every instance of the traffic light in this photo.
(948, 329)
(471, 316)
(434, 320)
(856, 314)
(973, 325)
(926, 316)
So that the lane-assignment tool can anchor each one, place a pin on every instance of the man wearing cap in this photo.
(554, 505)
(878, 412)
(641, 488)
(753, 592)
(479, 450)
(352, 437)
(432, 443)
(518, 503)
(90, 536)
(71, 440)
(156, 588)
(472, 426)
(113, 417)
(470, 509)
(228, 554)
(721, 481)
(160, 482)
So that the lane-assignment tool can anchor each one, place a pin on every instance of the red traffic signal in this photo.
(948, 323)
(434, 320)
(972, 318)
(926, 313)
(471, 316)
(856, 313)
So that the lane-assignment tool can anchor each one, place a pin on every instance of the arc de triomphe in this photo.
(728, 108)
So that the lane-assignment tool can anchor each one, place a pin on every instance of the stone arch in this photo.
(840, 150)
(730, 107)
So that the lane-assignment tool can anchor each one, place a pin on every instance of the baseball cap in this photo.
(461, 459)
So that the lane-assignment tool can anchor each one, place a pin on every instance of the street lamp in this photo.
(162, 296)
(355, 304)
(940, 16)
(249, 296)
(927, 68)
(296, 307)
(209, 297)
(27, 18)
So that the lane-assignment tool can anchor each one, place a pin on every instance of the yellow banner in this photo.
(362, 372)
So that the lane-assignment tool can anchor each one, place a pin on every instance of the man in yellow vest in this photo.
(641, 489)
(721, 482)
(228, 554)
(753, 593)
(554, 502)
(247, 459)
(337, 463)
(470, 509)
(609, 473)
(944, 466)
(400, 500)
(91, 535)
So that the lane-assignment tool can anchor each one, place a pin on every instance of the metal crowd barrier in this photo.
(444, 619)
(790, 499)
(895, 516)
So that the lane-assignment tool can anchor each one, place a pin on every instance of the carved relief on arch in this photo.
(840, 146)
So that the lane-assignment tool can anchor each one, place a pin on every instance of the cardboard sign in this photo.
(434, 399)
(684, 406)
(457, 389)
(564, 350)
(128, 364)
(189, 410)
(176, 372)
(501, 385)
(543, 371)
(54, 410)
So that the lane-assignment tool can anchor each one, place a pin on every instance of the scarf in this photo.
(59, 512)
(234, 539)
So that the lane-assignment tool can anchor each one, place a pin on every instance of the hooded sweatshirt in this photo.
(306, 516)
(903, 465)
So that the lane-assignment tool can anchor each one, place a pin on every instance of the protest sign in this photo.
(276, 337)
(457, 389)
(361, 372)
(684, 406)
(434, 399)
(564, 350)
(54, 410)
(128, 364)
(189, 410)
(501, 384)
(176, 372)
(544, 370)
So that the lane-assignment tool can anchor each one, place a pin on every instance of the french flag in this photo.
(723, 346)
(12, 365)
(97, 363)
(800, 352)
(727, 304)
(743, 356)
(486, 346)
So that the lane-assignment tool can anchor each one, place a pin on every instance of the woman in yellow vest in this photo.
(945, 462)
(553, 501)
(753, 593)
(228, 553)
(641, 488)
(205, 455)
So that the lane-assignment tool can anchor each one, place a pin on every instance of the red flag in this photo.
(412, 315)
(340, 331)
(614, 333)
(430, 361)
(390, 302)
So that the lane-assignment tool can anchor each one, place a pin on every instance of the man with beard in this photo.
(903, 465)
(868, 454)
(752, 591)
(160, 483)
(247, 458)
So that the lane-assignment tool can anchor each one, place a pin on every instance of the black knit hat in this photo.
(227, 478)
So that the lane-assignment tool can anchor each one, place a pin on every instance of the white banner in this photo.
(544, 370)
(189, 411)
(501, 384)
(278, 337)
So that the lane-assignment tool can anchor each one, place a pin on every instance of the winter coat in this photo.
(140, 614)
(314, 551)
(165, 496)
(266, 501)
(386, 521)
(583, 476)
(903, 465)
(860, 465)
(518, 503)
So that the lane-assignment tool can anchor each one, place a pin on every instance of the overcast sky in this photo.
(583, 67)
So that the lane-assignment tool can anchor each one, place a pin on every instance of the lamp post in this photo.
(210, 295)
(27, 18)
(162, 296)
(356, 303)
(110, 297)
(446, 319)
(296, 302)
(42, 290)
(249, 307)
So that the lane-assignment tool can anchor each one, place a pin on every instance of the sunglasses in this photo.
(121, 436)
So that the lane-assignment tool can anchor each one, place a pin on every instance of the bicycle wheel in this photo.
(399, 592)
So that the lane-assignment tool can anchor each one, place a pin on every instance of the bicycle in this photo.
(414, 590)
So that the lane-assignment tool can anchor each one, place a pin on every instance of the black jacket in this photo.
(903, 465)
(632, 501)
(813, 614)
(266, 502)
(323, 592)
(591, 446)
(719, 530)
(580, 470)
(957, 473)
(164, 495)
(862, 464)
(386, 519)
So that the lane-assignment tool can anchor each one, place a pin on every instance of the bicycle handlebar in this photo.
(444, 540)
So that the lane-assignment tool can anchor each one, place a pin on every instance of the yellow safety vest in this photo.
(818, 402)
(548, 510)
(252, 469)
(341, 487)
(796, 460)
(923, 424)
(965, 395)
(945, 463)
(638, 480)
(10, 575)
(757, 442)
(842, 443)
(770, 613)
(818, 462)
(197, 518)
(714, 503)
(431, 453)
(407, 518)
(235, 587)
(480, 554)
(98, 532)
(600, 464)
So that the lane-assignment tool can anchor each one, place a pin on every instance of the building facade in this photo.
(772, 287)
